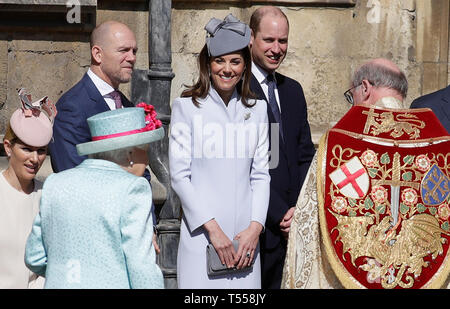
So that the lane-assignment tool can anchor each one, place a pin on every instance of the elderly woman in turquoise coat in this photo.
(95, 225)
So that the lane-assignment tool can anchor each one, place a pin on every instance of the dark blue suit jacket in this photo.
(439, 102)
(70, 128)
(296, 152)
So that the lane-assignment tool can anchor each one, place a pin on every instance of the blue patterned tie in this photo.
(273, 102)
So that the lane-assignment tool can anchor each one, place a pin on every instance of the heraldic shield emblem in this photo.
(351, 178)
(385, 205)
(435, 187)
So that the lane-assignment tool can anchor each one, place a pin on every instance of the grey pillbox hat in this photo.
(226, 36)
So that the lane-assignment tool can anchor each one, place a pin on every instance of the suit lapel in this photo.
(446, 102)
(256, 87)
(100, 103)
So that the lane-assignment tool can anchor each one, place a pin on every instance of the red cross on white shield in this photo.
(351, 178)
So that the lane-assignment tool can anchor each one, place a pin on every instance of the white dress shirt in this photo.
(104, 88)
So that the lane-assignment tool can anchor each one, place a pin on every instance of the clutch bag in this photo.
(215, 266)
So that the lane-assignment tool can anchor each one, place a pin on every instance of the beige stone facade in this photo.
(328, 40)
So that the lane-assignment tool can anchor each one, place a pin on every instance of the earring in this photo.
(130, 155)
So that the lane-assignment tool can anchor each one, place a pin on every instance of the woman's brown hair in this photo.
(201, 88)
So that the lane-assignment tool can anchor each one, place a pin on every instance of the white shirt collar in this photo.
(260, 74)
(103, 87)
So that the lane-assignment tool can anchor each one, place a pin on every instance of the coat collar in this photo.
(256, 87)
(217, 99)
(261, 75)
(389, 102)
(446, 94)
(101, 164)
(103, 87)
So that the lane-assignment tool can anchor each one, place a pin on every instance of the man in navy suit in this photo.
(113, 54)
(294, 148)
(439, 102)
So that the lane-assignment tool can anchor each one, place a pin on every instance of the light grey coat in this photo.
(219, 169)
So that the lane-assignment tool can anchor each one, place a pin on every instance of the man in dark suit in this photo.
(294, 148)
(113, 54)
(439, 102)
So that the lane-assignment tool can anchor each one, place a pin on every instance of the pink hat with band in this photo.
(33, 122)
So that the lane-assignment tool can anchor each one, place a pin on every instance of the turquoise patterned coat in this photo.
(94, 230)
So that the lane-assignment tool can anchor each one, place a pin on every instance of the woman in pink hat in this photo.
(25, 142)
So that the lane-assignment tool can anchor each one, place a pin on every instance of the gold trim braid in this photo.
(346, 279)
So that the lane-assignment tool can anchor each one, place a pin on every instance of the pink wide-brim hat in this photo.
(36, 131)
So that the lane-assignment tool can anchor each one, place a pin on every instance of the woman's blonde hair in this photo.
(10, 135)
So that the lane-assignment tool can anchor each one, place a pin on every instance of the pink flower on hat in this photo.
(150, 117)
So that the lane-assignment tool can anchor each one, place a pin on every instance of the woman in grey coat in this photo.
(218, 155)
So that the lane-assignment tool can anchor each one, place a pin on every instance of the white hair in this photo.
(119, 156)
(381, 76)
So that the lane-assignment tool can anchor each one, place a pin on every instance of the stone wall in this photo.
(40, 51)
(328, 40)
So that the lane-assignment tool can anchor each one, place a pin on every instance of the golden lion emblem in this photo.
(398, 125)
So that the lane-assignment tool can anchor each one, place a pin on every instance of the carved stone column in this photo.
(153, 86)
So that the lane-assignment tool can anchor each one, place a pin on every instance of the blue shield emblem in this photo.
(434, 187)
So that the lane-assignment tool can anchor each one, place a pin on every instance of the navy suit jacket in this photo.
(70, 128)
(439, 102)
(296, 152)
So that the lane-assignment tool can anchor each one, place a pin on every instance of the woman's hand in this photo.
(248, 240)
(221, 243)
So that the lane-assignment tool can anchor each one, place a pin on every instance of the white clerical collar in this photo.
(103, 87)
(389, 102)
